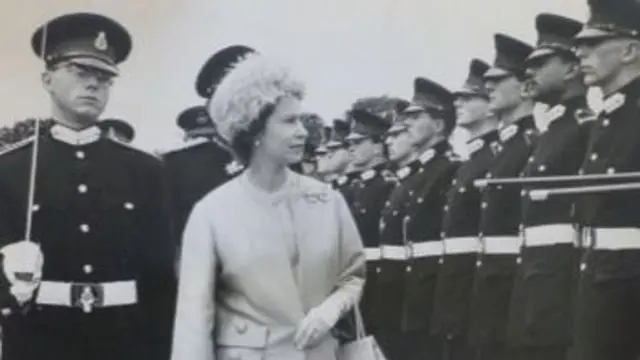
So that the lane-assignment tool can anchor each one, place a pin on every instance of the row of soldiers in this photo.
(530, 248)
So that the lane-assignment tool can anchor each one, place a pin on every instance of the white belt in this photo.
(548, 235)
(497, 245)
(87, 295)
(613, 238)
(373, 254)
(412, 250)
(462, 245)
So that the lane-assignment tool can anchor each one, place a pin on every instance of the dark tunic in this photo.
(100, 216)
(500, 218)
(461, 220)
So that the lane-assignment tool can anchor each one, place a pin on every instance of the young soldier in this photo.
(500, 215)
(103, 287)
(410, 228)
(462, 216)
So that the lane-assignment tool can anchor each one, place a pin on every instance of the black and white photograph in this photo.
(320, 180)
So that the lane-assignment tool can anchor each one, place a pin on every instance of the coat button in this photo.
(594, 157)
(583, 266)
(420, 200)
(523, 193)
(82, 188)
(408, 268)
(611, 171)
(241, 328)
(542, 168)
(605, 122)
(531, 159)
(129, 206)
(446, 208)
(88, 269)
(462, 190)
(84, 228)
(80, 155)
(484, 205)
(479, 263)
(441, 261)
(35, 208)
(519, 260)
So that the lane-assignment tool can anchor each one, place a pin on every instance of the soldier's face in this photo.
(548, 75)
(422, 127)
(80, 90)
(399, 146)
(362, 151)
(601, 59)
(470, 109)
(504, 93)
(284, 135)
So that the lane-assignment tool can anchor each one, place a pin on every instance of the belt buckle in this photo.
(87, 296)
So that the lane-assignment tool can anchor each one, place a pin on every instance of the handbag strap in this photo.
(360, 331)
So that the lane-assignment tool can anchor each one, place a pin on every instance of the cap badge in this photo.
(101, 41)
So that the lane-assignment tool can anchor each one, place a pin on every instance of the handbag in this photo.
(364, 347)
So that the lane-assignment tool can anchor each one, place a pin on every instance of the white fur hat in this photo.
(252, 83)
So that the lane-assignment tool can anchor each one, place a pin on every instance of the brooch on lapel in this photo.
(233, 167)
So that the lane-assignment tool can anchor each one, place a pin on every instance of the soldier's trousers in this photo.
(409, 345)
(608, 307)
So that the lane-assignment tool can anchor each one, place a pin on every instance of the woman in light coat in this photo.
(271, 260)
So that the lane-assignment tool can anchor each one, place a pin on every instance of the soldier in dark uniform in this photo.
(410, 229)
(370, 193)
(120, 129)
(500, 207)
(104, 287)
(205, 162)
(462, 216)
(607, 309)
(540, 320)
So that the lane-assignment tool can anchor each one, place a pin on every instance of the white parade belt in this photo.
(461, 245)
(372, 253)
(87, 296)
(549, 235)
(412, 250)
(612, 238)
(500, 245)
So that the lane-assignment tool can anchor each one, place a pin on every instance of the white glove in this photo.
(23, 257)
(315, 326)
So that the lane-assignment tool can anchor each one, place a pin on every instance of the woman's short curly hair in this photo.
(249, 92)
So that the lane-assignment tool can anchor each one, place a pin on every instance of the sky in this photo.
(342, 49)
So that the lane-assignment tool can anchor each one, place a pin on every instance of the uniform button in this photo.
(387, 204)
(519, 260)
(583, 266)
(35, 208)
(594, 157)
(488, 176)
(84, 228)
(531, 159)
(454, 181)
(88, 269)
(484, 205)
(408, 268)
(410, 192)
(241, 328)
(441, 261)
(480, 234)
(420, 200)
(611, 171)
(80, 155)
(581, 172)
(395, 213)
(542, 168)
(446, 208)
(523, 193)
(6, 312)
(362, 211)
(378, 270)
(82, 188)
(462, 189)
(499, 187)
(479, 263)
(521, 227)
(605, 122)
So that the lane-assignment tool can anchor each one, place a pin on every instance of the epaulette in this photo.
(129, 146)
(389, 175)
(186, 145)
(18, 145)
(583, 116)
(530, 136)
